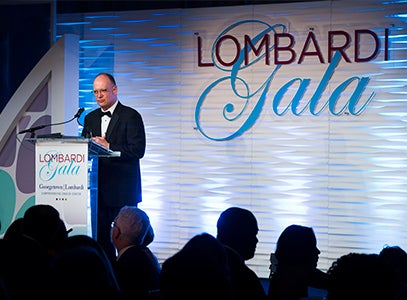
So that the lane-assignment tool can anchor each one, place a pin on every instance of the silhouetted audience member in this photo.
(15, 230)
(28, 245)
(394, 259)
(81, 273)
(22, 269)
(4, 295)
(237, 230)
(43, 224)
(358, 276)
(137, 269)
(296, 271)
(401, 293)
(198, 271)
(84, 240)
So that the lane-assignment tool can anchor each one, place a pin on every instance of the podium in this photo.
(66, 178)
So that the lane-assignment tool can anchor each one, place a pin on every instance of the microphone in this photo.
(33, 129)
(79, 112)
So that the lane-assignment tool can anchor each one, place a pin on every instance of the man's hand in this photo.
(101, 140)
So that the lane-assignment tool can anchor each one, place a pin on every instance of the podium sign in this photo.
(61, 180)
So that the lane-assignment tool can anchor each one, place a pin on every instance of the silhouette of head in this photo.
(81, 272)
(84, 240)
(297, 245)
(207, 250)
(357, 276)
(42, 223)
(15, 230)
(237, 228)
(394, 259)
(198, 271)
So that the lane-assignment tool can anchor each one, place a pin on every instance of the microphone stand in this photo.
(32, 130)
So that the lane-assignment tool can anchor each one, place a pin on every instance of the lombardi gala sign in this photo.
(239, 99)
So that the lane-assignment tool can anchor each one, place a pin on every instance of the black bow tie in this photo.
(106, 113)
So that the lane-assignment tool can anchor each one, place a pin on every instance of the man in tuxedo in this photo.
(119, 128)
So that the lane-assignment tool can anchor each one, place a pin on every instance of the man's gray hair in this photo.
(134, 225)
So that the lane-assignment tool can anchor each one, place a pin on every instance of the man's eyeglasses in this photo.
(102, 91)
(113, 225)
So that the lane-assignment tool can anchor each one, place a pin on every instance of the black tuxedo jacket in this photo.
(138, 273)
(119, 181)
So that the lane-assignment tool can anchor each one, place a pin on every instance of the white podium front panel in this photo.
(61, 168)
